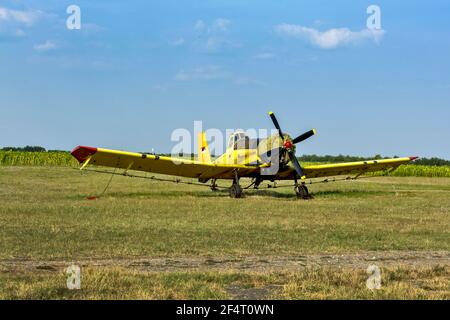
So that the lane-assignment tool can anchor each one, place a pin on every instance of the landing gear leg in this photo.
(257, 182)
(302, 191)
(214, 185)
(236, 190)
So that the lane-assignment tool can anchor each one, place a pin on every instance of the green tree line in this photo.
(346, 158)
(30, 149)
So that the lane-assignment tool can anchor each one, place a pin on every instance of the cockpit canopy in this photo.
(239, 140)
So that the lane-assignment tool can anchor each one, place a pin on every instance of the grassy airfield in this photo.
(147, 239)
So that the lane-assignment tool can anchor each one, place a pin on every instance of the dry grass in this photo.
(44, 215)
(397, 283)
(119, 283)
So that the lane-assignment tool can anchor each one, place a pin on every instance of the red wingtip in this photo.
(413, 158)
(81, 153)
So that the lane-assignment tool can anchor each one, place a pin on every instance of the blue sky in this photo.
(137, 70)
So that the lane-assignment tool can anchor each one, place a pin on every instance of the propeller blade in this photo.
(291, 154)
(276, 124)
(304, 136)
(296, 164)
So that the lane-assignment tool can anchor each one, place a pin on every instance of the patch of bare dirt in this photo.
(247, 263)
(242, 293)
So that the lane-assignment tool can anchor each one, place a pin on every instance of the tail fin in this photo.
(203, 149)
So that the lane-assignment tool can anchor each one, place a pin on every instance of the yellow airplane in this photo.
(260, 159)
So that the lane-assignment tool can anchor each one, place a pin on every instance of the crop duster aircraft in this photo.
(260, 159)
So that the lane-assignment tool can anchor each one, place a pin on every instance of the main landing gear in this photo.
(236, 189)
(214, 185)
(302, 191)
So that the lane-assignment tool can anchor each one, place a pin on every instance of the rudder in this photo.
(203, 154)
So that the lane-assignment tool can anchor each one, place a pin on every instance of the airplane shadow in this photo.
(349, 193)
(270, 193)
(224, 193)
(319, 194)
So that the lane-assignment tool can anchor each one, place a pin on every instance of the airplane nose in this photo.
(287, 144)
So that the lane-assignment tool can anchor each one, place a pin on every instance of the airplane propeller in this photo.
(289, 143)
(304, 136)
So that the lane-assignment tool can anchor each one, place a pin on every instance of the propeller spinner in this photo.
(288, 144)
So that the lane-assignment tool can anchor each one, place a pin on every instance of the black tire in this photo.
(302, 192)
(235, 191)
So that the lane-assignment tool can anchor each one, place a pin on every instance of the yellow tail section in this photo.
(203, 149)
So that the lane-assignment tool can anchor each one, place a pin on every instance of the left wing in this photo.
(160, 164)
(336, 169)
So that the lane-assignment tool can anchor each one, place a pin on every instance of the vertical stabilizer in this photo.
(203, 149)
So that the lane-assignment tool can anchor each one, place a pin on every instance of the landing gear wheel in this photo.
(302, 192)
(236, 191)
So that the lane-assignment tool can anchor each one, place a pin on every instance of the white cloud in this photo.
(162, 87)
(215, 44)
(91, 28)
(199, 25)
(243, 81)
(213, 37)
(217, 26)
(211, 73)
(46, 46)
(264, 55)
(70, 62)
(221, 25)
(19, 33)
(27, 18)
(331, 38)
(12, 22)
(318, 22)
(202, 73)
(177, 42)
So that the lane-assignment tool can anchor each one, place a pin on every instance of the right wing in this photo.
(347, 168)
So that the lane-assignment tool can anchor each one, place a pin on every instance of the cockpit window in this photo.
(243, 143)
(237, 140)
(230, 141)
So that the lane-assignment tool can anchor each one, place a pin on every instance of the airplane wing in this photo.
(336, 169)
(204, 171)
(160, 164)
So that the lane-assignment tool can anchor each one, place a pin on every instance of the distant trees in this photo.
(63, 151)
(346, 158)
(25, 149)
(341, 158)
(30, 149)
(432, 162)
(338, 158)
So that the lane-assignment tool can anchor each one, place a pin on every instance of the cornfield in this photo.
(14, 158)
(413, 170)
(17, 158)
